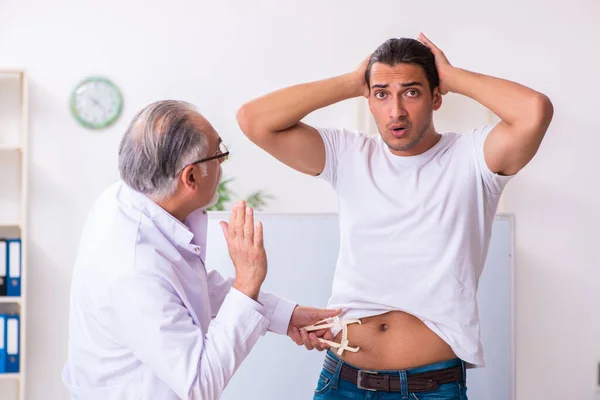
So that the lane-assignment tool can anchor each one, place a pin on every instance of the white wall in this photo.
(219, 54)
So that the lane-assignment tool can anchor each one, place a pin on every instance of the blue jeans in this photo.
(331, 386)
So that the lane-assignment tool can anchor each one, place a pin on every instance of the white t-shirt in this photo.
(414, 231)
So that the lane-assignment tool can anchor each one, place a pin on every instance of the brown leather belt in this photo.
(385, 382)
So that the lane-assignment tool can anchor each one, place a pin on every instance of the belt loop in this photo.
(464, 372)
(336, 376)
(403, 385)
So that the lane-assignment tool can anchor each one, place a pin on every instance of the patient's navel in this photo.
(383, 327)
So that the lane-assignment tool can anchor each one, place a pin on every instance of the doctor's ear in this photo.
(190, 176)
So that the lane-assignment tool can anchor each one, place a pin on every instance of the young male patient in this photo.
(416, 208)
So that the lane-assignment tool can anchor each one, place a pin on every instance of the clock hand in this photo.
(98, 104)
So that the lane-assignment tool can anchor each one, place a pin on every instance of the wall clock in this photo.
(96, 102)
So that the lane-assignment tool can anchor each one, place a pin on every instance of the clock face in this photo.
(96, 102)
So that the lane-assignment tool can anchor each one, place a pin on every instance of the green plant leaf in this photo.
(256, 200)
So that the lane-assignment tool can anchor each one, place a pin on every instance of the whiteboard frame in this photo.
(510, 217)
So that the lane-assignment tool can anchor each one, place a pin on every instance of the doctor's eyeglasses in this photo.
(222, 153)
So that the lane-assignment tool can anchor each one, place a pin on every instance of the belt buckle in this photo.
(360, 377)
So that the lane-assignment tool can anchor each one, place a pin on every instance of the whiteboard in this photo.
(302, 252)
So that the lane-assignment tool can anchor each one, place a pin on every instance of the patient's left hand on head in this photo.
(304, 316)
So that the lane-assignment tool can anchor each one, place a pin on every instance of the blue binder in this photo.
(13, 285)
(12, 343)
(2, 343)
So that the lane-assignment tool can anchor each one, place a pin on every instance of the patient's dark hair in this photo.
(408, 51)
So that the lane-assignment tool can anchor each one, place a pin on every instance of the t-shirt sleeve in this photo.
(336, 142)
(493, 182)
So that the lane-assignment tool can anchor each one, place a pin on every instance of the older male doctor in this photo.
(147, 319)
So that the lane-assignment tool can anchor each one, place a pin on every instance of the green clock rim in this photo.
(106, 123)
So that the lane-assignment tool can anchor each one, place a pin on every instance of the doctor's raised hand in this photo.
(246, 248)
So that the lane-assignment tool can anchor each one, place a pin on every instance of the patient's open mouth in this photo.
(398, 130)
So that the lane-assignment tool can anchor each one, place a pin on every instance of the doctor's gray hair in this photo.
(160, 141)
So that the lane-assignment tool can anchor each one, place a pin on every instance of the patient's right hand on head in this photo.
(246, 249)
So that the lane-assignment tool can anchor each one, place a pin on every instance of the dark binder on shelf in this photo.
(3, 266)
